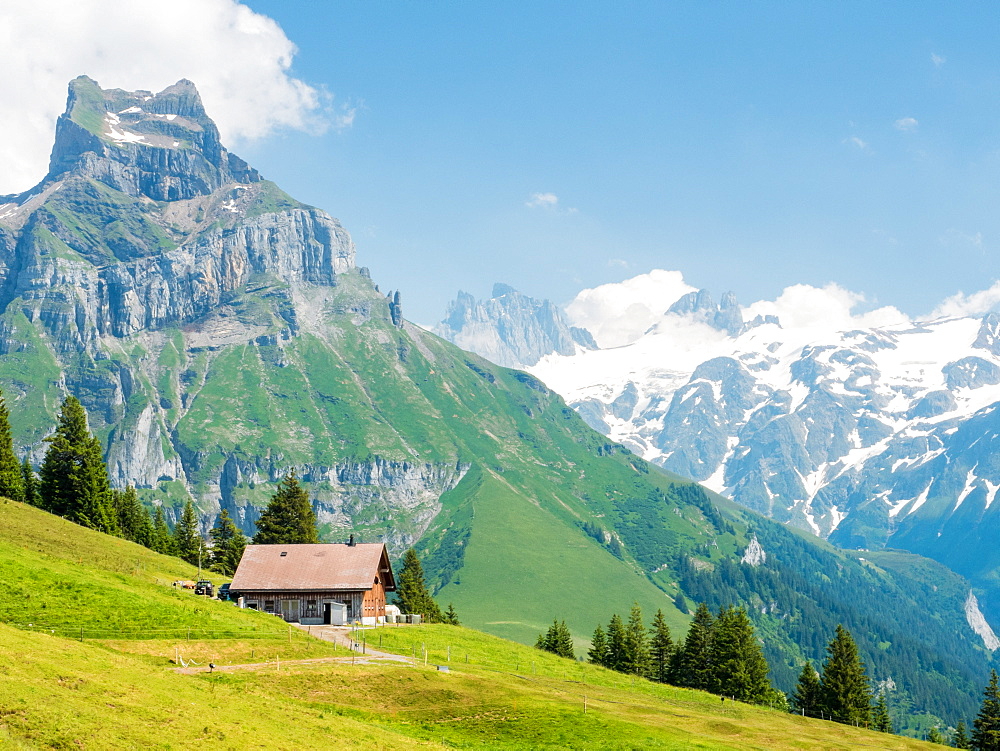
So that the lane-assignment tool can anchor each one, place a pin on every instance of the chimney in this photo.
(351, 541)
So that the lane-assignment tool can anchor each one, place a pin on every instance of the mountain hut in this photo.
(325, 583)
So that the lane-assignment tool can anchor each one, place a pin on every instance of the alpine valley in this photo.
(220, 334)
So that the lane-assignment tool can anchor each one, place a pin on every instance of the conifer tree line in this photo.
(73, 483)
(720, 653)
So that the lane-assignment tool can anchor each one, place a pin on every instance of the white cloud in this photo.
(975, 304)
(906, 123)
(620, 263)
(831, 308)
(620, 313)
(938, 60)
(240, 61)
(855, 141)
(542, 201)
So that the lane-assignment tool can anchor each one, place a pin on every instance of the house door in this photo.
(327, 607)
(290, 610)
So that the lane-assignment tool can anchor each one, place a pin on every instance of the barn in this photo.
(332, 583)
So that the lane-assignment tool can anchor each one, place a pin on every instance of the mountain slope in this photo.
(220, 335)
(873, 437)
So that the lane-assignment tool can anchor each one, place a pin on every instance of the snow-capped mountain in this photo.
(873, 430)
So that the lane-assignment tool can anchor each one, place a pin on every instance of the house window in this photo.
(312, 610)
(268, 606)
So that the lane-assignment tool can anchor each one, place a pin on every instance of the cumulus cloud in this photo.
(542, 201)
(240, 60)
(938, 60)
(620, 313)
(831, 307)
(975, 304)
(906, 123)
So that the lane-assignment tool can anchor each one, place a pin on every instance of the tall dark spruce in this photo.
(30, 480)
(986, 726)
(228, 543)
(289, 517)
(412, 595)
(74, 478)
(11, 477)
(661, 649)
(807, 699)
(846, 694)
(187, 539)
(738, 660)
(693, 663)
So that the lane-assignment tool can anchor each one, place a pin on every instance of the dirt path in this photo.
(340, 635)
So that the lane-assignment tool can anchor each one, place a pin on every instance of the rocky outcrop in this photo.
(977, 622)
(726, 316)
(754, 555)
(511, 329)
(146, 221)
(161, 146)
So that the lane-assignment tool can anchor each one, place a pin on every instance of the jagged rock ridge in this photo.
(510, 328)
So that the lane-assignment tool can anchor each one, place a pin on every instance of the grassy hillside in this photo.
(62, 694)
(66, 580)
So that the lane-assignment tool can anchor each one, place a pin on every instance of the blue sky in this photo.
(555, 146)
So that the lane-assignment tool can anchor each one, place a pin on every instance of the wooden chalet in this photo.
(334, 583)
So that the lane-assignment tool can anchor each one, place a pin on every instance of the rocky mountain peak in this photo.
(511, 328)
(161, 146)
(725, 316)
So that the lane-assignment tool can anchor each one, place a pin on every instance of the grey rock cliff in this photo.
(510, 328)
(145, 220)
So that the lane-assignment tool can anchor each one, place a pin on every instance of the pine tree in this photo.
(661, 649)
(934, 735)
(846, 695)
(450, 616)
(740, 669)
(74, 478)
(598, 652)
(635, 657)
(692, 666)
(162, 541)
(30, 481)
(960, 738)
(130, 516)
(807, 698)
(880, 716)
(986, 726)
(564, 642)
(188, 544)
(412, 595)
(616, 643)
(228, 544)
(289, 517)
(11, 479)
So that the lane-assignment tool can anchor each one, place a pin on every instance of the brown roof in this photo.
(317, 567)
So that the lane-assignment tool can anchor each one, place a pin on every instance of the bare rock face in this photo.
(145, 220)
(511, 329)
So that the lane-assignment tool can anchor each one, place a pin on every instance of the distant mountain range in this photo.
(874, 437)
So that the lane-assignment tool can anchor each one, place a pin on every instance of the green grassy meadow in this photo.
(294, 691)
